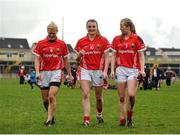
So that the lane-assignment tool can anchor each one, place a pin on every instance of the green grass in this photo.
(22, 112)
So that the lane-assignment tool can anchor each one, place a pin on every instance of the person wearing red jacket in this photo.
(21, 75)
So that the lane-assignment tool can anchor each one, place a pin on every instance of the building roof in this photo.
(150, 51)
(170, 49)
(13, 43)
(171, 52)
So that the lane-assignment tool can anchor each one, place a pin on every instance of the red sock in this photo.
(129, 115)
(99, 110)
(122, 121)
(86, 118)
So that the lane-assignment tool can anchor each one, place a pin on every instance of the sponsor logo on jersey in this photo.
(50, 56)
(93, 52)
(125, 51)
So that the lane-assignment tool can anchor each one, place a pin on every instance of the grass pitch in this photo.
(22, 112)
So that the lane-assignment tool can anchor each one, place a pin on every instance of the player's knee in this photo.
(85, 95)
(122, 99)
(51, 99)
(98, 97)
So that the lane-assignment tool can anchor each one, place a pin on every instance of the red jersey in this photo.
(22, 72)
(93, 59)
(127, 51)
(51, 54)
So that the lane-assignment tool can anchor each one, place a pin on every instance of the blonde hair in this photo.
(53, 26)
(128, 22)
(98, 32)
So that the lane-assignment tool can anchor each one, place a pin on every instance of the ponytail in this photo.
(127, 23)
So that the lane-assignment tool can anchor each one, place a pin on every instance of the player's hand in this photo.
(82, 52)
(70, 80)
(104, 75)
(38, 76)
(112, 75)
(142, 73)
(39, 79)
(69, 77)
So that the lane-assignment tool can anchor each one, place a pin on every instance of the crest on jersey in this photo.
(51, 50)
(57, 49)
(133, 45)
(99, 46)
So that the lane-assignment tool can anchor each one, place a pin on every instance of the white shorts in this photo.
(50, 76)
(95, 76)
(123, 74)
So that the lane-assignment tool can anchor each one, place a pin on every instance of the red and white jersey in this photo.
(127, 51)
(51, 54)
(94, 58)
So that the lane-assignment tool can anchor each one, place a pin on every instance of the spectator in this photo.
(21, 75)
(168, 75)
(155, 76)
(33, 78)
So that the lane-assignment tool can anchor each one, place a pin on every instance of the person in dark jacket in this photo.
(168, 75)
(155, 76)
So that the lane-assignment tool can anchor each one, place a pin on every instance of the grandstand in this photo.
(15, 52)
(164, 57)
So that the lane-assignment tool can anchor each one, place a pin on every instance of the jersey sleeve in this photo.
(37, 49)
(113, 45)
(77, 47)
(106, 45)
(141, 45)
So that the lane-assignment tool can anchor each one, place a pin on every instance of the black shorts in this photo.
(57, 84)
